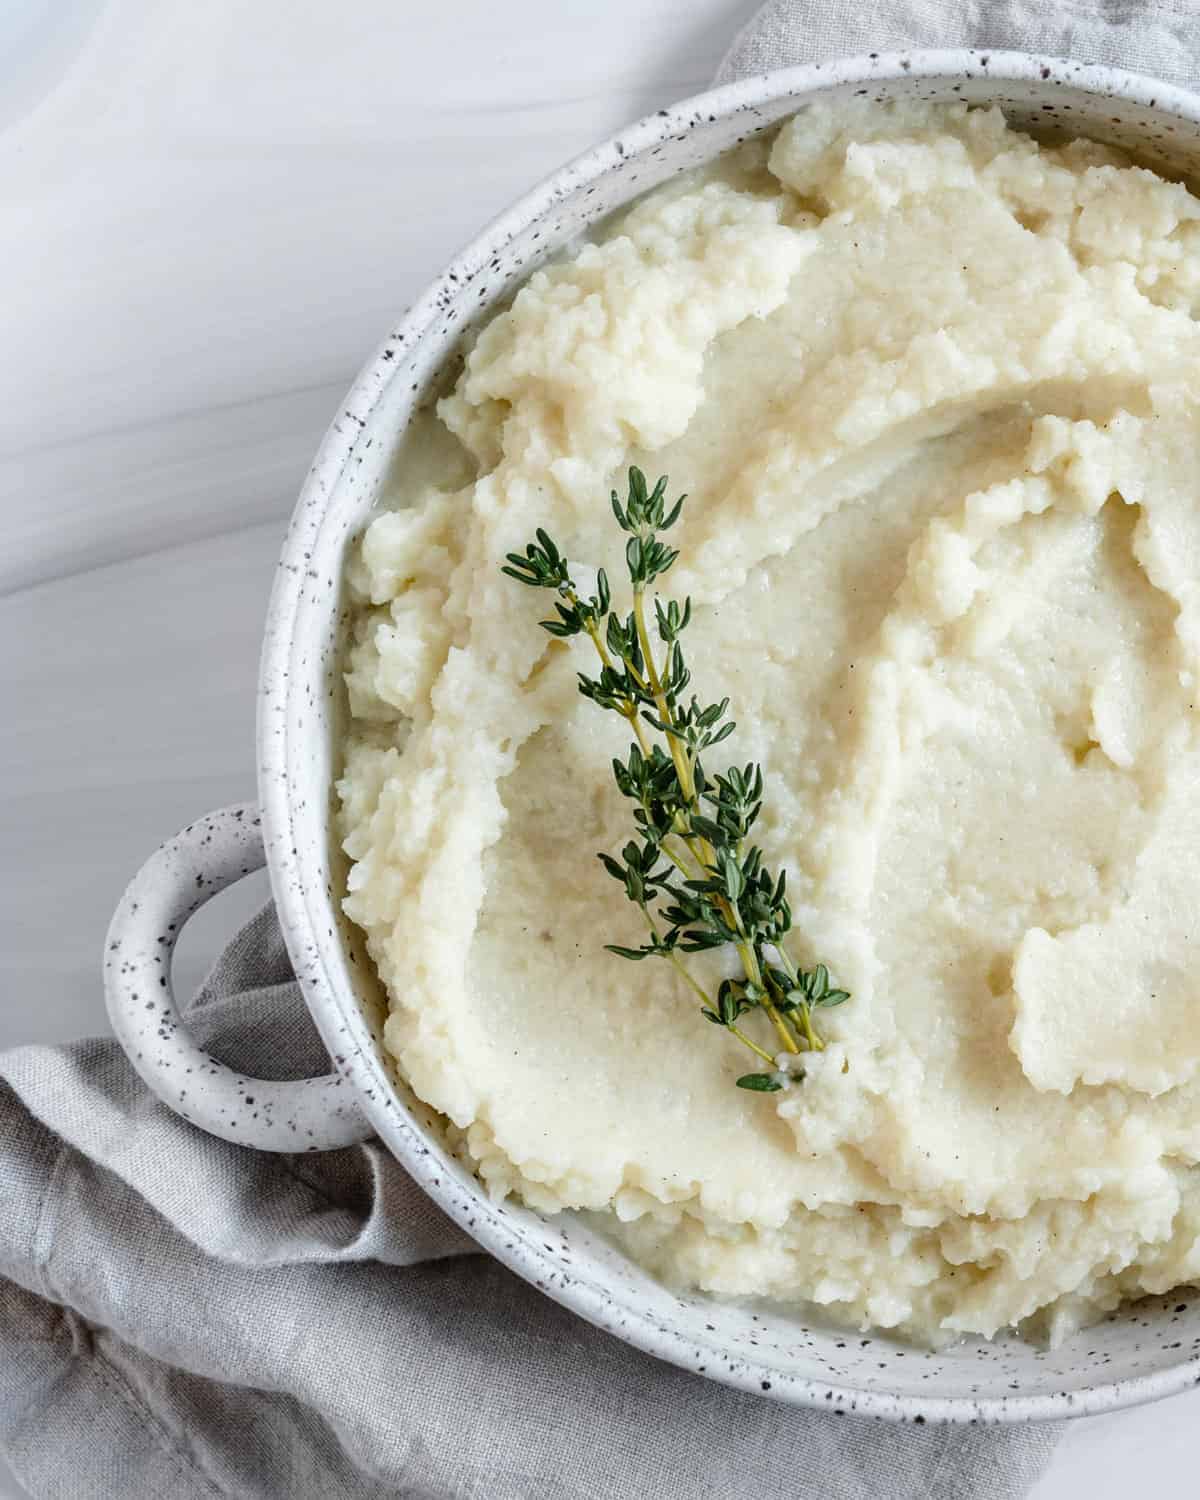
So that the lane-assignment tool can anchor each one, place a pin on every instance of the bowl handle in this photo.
(310, 1114)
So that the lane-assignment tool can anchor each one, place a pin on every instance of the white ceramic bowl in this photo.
(1142, 1352)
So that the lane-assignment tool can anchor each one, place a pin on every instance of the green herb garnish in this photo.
(689, 871)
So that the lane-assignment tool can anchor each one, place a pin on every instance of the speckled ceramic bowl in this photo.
(1142, 1352)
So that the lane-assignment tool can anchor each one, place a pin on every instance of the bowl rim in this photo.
(292, 888)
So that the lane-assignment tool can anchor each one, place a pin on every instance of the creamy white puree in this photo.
(933, 391)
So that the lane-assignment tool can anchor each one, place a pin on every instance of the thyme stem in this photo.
(707, 999)
(683, 768)
(720, 894)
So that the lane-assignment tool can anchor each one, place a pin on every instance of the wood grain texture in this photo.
(214, 212)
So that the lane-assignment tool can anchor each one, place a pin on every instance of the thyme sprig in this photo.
(690, 871)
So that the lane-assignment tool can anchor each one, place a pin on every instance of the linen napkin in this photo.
(180, 1317)
(1157, 37)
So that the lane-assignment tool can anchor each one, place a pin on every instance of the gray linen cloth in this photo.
(1158, 37)
(180, 1317)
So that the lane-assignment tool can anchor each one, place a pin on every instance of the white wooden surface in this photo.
(211, 214)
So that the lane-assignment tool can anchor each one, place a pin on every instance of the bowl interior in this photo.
(1143, 1350)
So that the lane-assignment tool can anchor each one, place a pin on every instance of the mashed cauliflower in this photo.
(934, 392)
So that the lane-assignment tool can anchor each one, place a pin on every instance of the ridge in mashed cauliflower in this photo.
(932, 388)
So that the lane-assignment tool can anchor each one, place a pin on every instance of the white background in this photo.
(211, 212)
